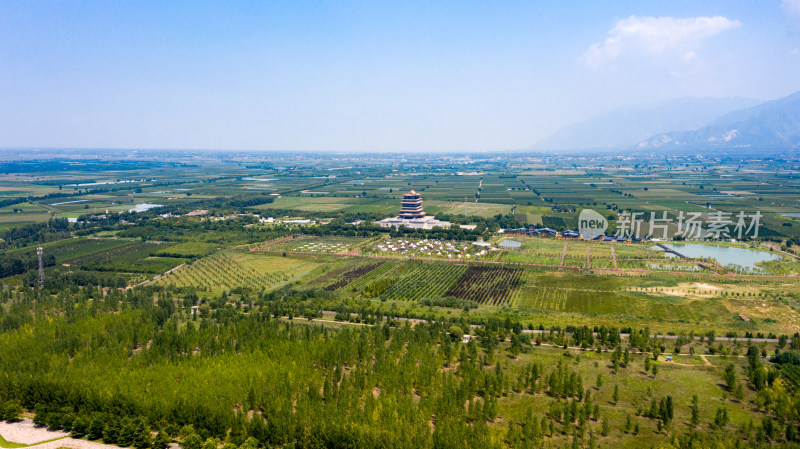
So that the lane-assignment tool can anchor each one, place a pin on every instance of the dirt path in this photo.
(778, 249)
(694, 365)
(683, 364)
(538, 331)
(157, 277)
(256, 248)
(703, 357)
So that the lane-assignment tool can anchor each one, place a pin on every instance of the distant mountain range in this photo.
(627, 127)
(772, 124)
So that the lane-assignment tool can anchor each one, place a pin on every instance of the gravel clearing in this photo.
(73, 444)
(25, 432)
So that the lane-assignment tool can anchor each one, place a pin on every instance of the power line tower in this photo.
(39, 252)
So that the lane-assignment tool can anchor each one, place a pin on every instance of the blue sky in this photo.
(370, 76)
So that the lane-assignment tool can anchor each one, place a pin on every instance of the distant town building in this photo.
(412, 216)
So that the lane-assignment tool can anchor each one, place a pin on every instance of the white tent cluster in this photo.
(432, 248)
(321, 247)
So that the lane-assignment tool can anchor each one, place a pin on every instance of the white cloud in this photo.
(657, 37)
(791, 6)
(689, 55)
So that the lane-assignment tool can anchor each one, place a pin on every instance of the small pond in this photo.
(725, 255)
(510, 244)
(145, 207)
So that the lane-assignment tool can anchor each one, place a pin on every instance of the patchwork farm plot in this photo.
(329, 273)
(546, 191)
(351, 275)
(525, 287)
(416, 280)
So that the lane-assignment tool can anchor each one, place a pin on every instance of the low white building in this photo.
(426, 222)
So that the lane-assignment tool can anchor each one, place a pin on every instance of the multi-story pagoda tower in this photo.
(411, 206)
(412, 216)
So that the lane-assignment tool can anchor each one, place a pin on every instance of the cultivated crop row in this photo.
(348, 277)
(384, 268)
(791, 373)
(221, 271)
(187, 250)
(114, 252)
(538, 297)
(486, 284)
(426, 280)
(327, 277)
(136, 258)
(75, 248)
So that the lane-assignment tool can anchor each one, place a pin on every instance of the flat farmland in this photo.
(482, 208)
(610, 298)
(542, 191)
(387, 205)
(232, 269)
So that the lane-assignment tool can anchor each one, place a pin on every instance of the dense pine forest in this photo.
(248, 375)
(137, 367)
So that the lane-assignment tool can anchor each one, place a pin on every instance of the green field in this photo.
(206, 312)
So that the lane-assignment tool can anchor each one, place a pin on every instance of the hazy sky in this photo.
(370, 76)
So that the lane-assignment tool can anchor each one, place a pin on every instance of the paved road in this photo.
(545, 331)
(157, 277)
